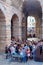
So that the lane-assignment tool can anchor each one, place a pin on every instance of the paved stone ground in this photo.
(4, 61)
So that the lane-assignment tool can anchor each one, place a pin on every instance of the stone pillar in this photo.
(20, 26)
(24, 28)
(8, 31)
(42, 28)
(38, 27)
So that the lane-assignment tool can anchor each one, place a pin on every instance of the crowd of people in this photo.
(21, 47)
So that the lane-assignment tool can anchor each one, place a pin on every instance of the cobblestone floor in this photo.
(4, 61)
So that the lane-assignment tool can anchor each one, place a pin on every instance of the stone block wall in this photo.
(5, 23)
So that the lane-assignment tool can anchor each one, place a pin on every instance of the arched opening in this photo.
(32, 8)
(2, 31)
(14, 26)
(31, 27)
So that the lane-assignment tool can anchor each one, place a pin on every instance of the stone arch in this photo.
(3, 9)
(31, 8)
(2, 31)
(15, 26)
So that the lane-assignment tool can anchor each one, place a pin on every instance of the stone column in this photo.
(8, 31)
(42, 27)
(24, 28)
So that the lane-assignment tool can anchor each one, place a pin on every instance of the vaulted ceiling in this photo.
(32, 7)
(16, 3)
(19, 3)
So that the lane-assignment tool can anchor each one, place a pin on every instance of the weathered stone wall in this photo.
(9, 10)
